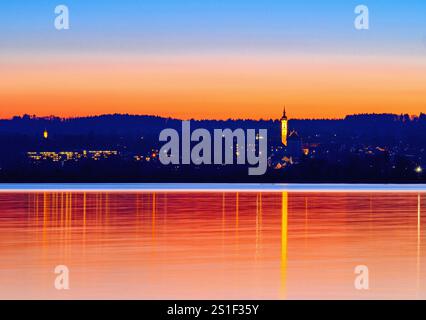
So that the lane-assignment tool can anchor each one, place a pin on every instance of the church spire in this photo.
(284, 114)
(284, 128)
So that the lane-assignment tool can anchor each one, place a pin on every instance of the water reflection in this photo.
(211, 245)
(284, 232)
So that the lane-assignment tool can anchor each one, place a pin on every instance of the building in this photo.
(292, 142)
(284, 128)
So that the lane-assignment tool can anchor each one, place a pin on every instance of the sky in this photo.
(212, 58)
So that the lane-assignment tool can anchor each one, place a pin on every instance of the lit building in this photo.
(57, 156)
(284, 128)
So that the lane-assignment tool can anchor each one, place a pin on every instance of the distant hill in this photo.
(135, 124)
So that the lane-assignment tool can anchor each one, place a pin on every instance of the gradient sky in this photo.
(212, 58)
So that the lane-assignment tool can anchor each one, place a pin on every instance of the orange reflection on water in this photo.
(211, 245)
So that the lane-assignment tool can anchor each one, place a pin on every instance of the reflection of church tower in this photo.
(284, 128)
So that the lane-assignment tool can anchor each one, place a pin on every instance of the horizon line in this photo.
(212, 187)
(50, 117)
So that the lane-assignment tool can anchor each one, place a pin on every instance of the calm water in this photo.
(224, 245)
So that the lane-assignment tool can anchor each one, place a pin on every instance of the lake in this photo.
(217, 244)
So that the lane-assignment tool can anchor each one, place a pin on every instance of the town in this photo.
(126, 148)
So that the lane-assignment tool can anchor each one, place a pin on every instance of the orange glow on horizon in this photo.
(212, 87)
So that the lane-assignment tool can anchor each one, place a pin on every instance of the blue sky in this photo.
(218, 25)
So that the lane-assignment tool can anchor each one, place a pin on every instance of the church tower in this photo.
(284, 128)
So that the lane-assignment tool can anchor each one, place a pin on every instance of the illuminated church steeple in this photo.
(284, 128)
